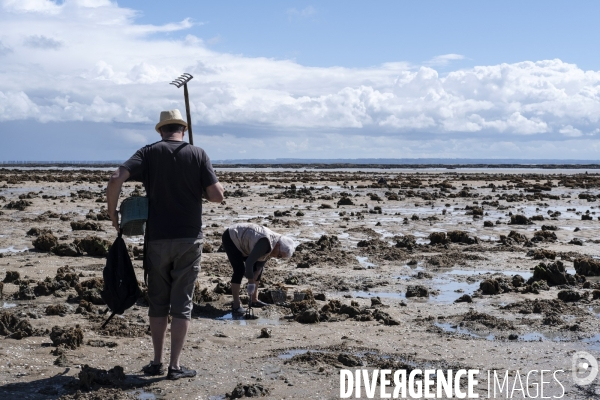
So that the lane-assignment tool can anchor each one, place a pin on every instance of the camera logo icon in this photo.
(584, 367)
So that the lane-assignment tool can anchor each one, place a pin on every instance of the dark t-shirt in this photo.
(174, 174)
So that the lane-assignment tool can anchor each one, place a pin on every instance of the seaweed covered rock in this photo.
(68, 337)
(553, 273)
(66, 250)
(90, 377)
(438, 238)
(20, 205)
(45, 242)
(12, 277)
(520, 219)
(408, 242)
(202, 295)
(349, 360)
(417, 291)
(542, 254)
(65, 278)
(544, 236)
(569, 295)
(345, 201)
(514, 238)
(489, 286)
(93, 246)
(25, 292)
(90, 290)
(14, 327)
(253, 390)
(85, 225)
(57, 309)
(462, 237)
(325, 242)
(587, 266)
(308, 316)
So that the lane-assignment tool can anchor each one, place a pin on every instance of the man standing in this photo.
(175, 175)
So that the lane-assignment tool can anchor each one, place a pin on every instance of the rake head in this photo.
(182, 80)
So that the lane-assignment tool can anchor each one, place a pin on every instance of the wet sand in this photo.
(383, 257)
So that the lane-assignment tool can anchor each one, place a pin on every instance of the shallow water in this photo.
(294, 352)
(449, 327)
(241, 320)
(364, 263)
(8, 305)
(12, 249)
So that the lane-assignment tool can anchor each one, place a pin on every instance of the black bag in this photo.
(121, 289)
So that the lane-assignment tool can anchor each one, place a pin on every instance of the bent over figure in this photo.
(248, 247)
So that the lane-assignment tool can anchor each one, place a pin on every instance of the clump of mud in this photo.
(380, 250)
(85, 307)
(417, 291)
(553, 273)
(587, 266)
(85, 225)
(452, 258)
(520, 219)
(68, 337)
(45, 242)
(12, 277)
(336, 310)
(100, 394)
(462, 237)
(252, 390)
(476, 318)
(325, 251)
(90, 378)
(66, 250)
(125, 326)
(20, 205)
(93, 245)
(407, 242)
(57, 309)
(14, 327)
(514, 238)
(204, 295)
(25, 292)
(344, 357)
(65, 278)
(539, 306)
(90, 290)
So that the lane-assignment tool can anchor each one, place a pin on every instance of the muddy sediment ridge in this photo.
(424, 269)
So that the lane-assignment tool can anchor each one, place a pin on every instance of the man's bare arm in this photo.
(214, 193)
(112, 193)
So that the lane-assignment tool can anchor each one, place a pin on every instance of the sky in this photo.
(85, 80)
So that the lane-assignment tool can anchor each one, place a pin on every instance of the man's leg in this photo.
(186, 267)
(179, 328)
(159, 288)
(158, 328)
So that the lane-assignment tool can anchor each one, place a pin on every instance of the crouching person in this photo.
(248, 247)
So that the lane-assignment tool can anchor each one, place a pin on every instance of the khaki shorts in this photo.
(173, 266)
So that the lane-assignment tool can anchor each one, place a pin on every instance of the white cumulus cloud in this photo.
(105, 68)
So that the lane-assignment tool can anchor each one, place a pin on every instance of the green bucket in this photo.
(134, 214)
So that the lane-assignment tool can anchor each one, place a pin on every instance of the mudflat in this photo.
(412, 270)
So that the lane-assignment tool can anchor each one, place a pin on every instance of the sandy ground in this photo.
(355, 265)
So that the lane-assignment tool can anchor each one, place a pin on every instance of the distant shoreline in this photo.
(326, 165)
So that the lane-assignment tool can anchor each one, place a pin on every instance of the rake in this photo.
(179, 82)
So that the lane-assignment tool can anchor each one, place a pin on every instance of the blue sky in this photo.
(87, 79)
(363, 34)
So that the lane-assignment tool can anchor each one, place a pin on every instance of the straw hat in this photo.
(170, 117)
